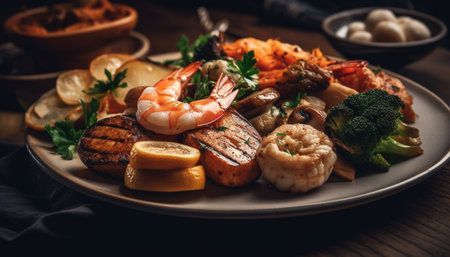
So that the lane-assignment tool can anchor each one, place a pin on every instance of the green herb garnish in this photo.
(202, 147)
(248, 74)
(289, 152)
(203, 87)
(103, 86)
(90, 112)
(377, 69)
(65, 136)
(282, 113)
(247, 142)
(280, 134)
(294, 102)
(221, 128)
(187, 51)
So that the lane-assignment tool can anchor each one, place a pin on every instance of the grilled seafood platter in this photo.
(229, 113)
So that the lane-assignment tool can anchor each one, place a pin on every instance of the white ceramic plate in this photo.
(259, 200)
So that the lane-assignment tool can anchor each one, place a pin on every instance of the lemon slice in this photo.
(162, 181)
(162, 155)
(111, 62)
(139, 73)
(48, 109)
(70, 86)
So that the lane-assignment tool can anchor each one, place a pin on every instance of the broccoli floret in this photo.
(368, 128)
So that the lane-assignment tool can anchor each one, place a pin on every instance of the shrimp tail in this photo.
(223, 91)
(187, 72)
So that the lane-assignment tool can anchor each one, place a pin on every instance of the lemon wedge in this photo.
(162, 155)
(188, 179)
(139, 73)
(111, 62)
(70, 86)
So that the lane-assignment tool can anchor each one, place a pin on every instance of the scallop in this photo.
(388, 31)
(415, 30)
(354, 27)
(378, 15)
(361, 36)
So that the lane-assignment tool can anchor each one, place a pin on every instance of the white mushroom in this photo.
(361, 36)
(415, 30)
(388, 31)
(377, 16)
(354, 27)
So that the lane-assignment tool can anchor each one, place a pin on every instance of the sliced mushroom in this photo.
(267, 121)
(308, 115)
(133, 95)
(315, 102)
(257, 103)
(335, 94)
(344, 169)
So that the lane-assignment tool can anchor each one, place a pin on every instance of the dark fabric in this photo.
(39, 217)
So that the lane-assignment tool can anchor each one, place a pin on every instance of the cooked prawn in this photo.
(270, 55)
(296, 158)
(160, 110)
(274, 57)
(355, 74)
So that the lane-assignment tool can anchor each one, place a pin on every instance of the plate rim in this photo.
(268, 213)
(140, 53)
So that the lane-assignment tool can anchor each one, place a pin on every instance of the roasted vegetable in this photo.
(335, 94)
(367, 128)
(257, 103)
(228, 149)
(105, 147)
(305, 114)
(267, 121)
(303, 77)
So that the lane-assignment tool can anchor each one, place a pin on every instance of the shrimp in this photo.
(355, 74)
(270, 55)
(296, 158)
(274, 57)
(160, 110)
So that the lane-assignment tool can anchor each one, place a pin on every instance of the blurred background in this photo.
(304, 14)
(293, 21)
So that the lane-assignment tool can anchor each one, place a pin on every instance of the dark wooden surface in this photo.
(415, 222)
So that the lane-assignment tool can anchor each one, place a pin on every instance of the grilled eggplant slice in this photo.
(228, 149)
(105, 147)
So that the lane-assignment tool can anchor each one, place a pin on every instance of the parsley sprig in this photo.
(65, 136)
(110, 84)
(187, 50)
(296, 101)
(247, 73)
(203, 87)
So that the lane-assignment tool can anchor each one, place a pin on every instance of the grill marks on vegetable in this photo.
(229, 156)
(105, 147)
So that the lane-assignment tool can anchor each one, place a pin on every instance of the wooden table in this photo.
(415, 222)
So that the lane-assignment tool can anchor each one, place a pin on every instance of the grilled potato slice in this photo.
(48, 109)
(228, 149)
(111, 62)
